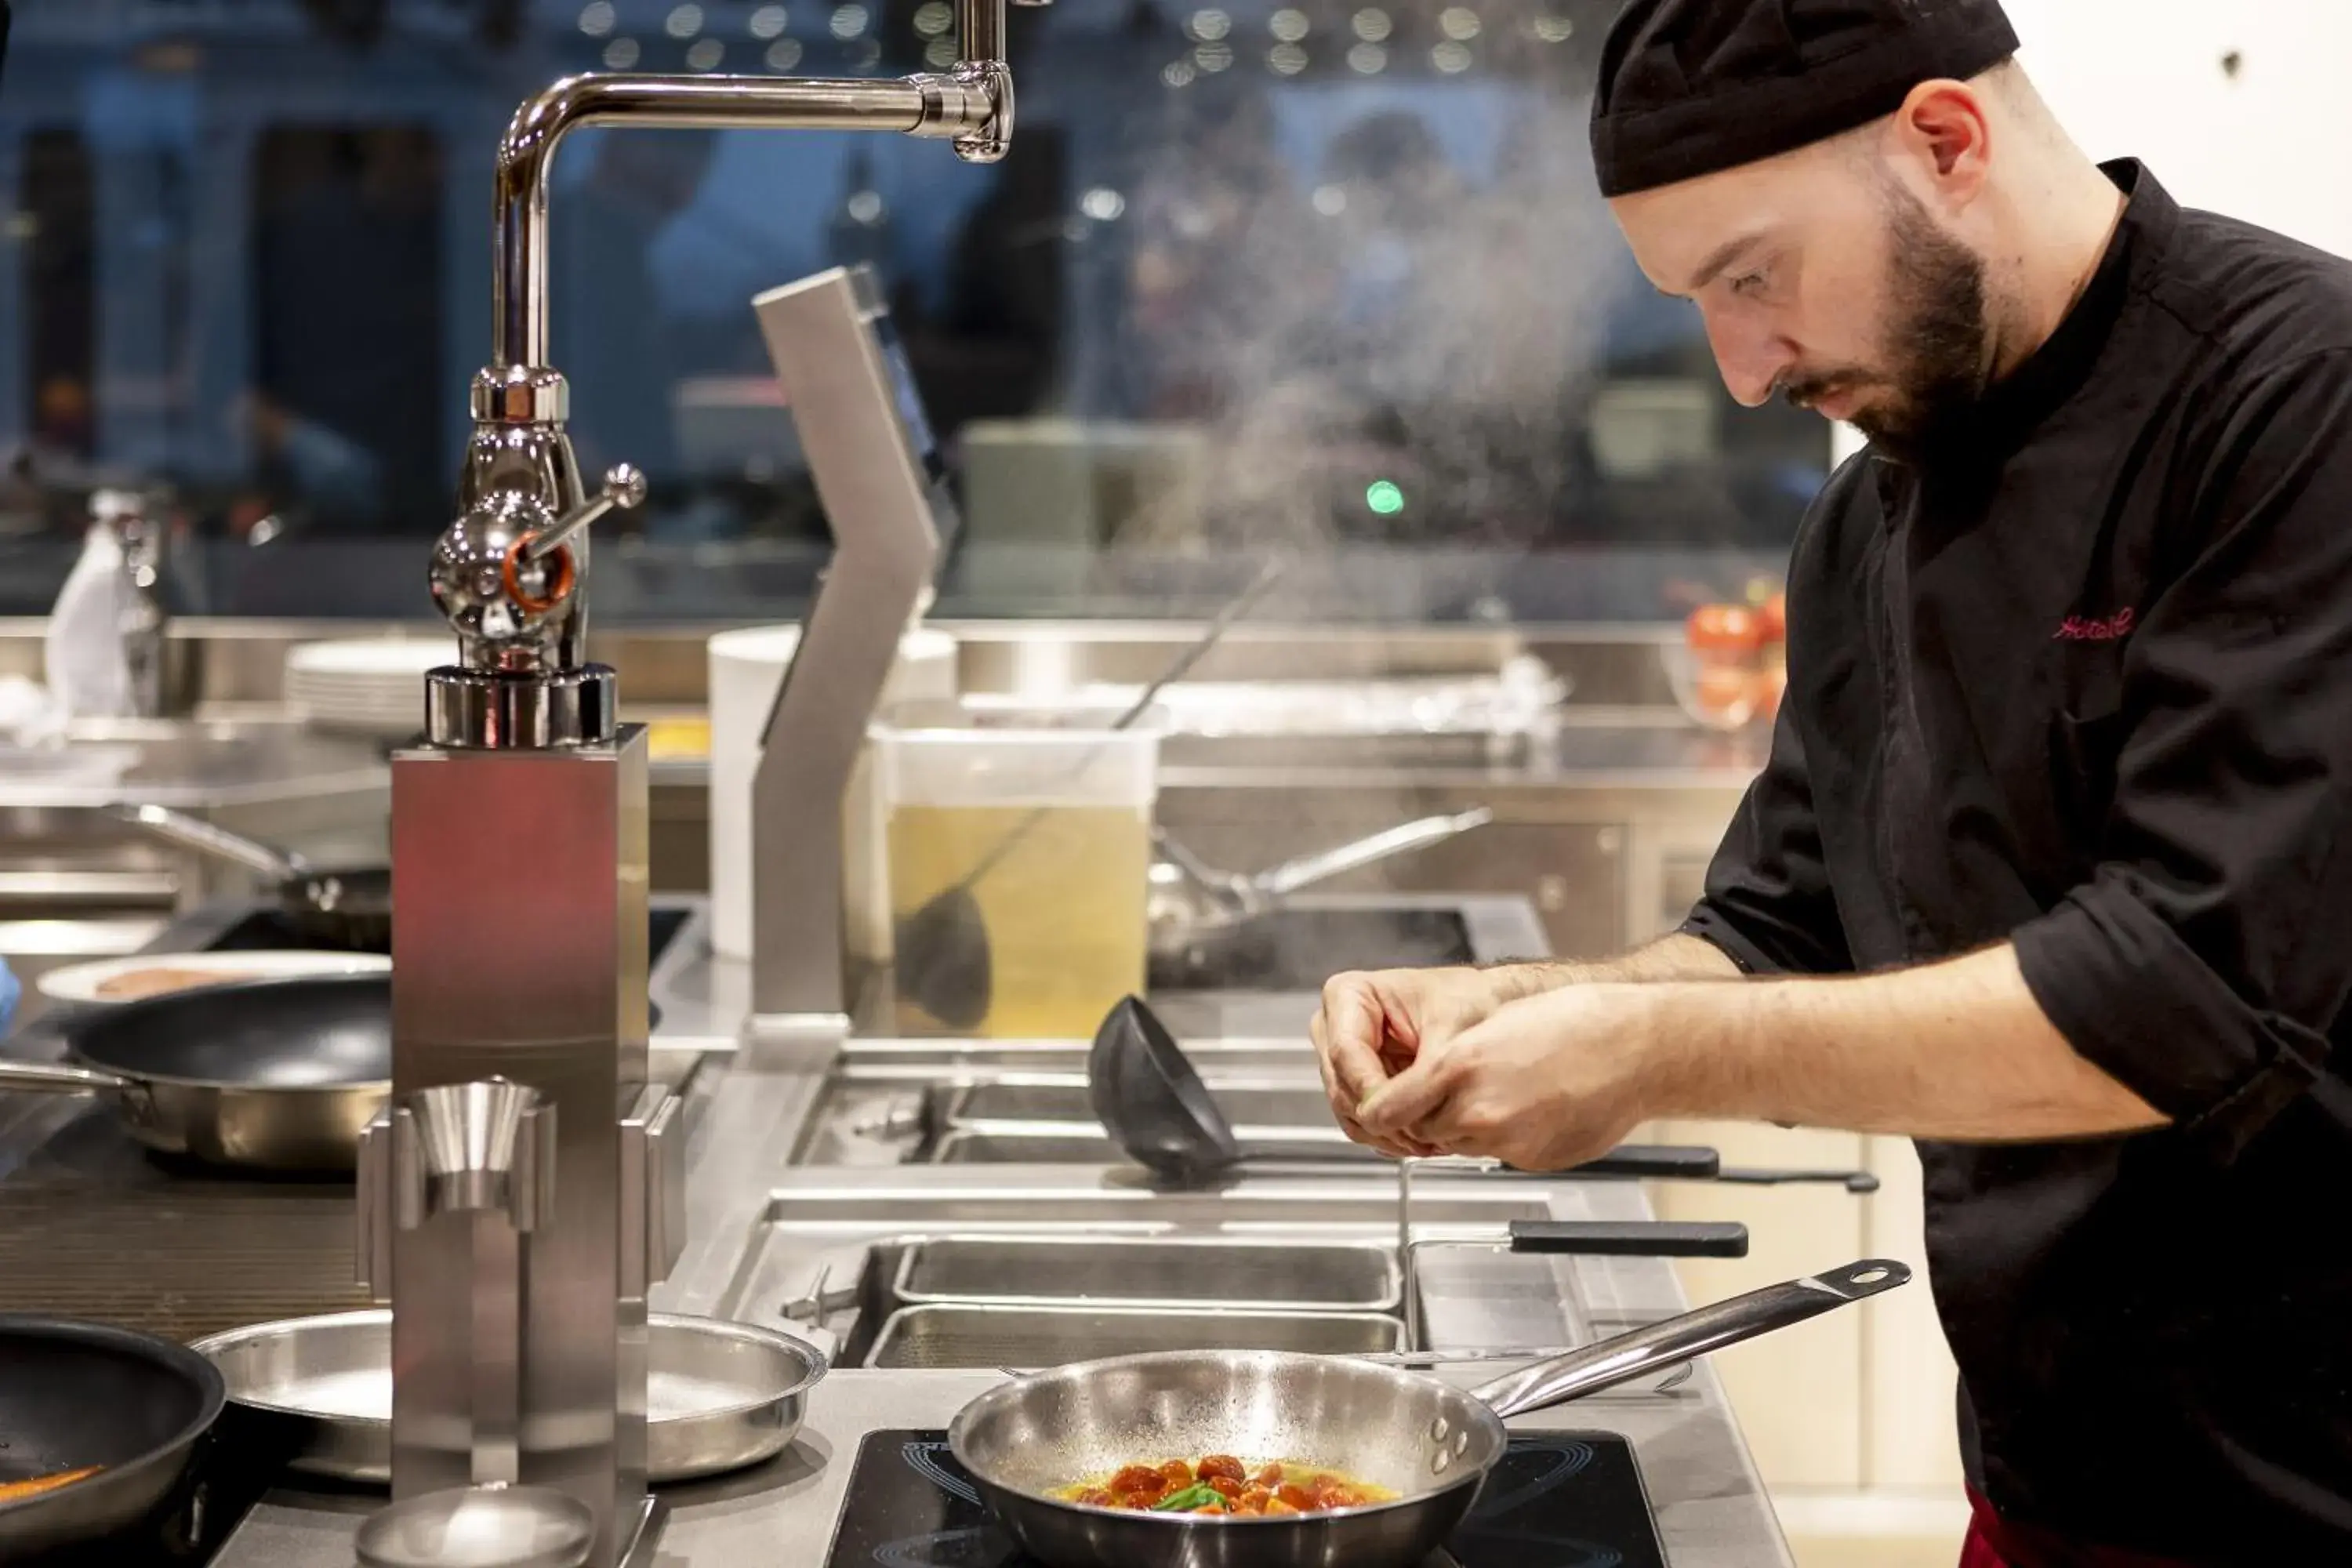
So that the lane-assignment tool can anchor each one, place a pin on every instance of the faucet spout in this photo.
(653, 103)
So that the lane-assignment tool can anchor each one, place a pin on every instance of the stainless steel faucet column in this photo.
(520, 869)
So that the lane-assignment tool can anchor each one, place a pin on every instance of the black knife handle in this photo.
(1856, 1181)
(1630, 1239)
(1689, 1162)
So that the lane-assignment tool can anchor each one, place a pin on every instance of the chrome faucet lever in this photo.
(624, 490)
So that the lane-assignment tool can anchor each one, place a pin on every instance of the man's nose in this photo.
(1752, 356)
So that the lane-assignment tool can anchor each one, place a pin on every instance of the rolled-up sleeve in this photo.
(2204, 963)
(1768, 903)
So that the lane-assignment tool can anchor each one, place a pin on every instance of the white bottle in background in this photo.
(87, 671)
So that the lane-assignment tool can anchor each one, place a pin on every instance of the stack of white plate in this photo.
(369, 686)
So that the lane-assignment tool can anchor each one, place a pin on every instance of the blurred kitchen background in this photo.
(1328, 275)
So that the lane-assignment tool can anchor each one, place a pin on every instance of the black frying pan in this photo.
(279, 1075)
(348, 908)
(75, 1394)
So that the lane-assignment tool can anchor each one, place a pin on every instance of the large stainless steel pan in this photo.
(720, 1396)
(1416, 1434)
(276, 1075)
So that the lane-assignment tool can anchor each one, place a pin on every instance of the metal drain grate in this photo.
(180, 1261)
(93, 1227)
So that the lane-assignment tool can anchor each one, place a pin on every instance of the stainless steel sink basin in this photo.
(1167, 1271)
(1024, 1337)
(1027, 1266)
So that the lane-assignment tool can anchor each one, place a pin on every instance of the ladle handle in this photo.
(1210, 635)
(1629, 1238)
(55, 1077)
(1268, 575)
(1678, 1339)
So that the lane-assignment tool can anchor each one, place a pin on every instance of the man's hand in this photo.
(1374, 1025)
(1542, 1084)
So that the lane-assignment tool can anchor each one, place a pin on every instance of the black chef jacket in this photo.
(2081, 678)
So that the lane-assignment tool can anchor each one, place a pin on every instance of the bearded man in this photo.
(2050, 866)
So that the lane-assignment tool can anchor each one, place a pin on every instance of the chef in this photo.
(2050, 867)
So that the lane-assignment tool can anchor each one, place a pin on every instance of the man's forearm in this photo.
(1958, 1050)
(1676, 957)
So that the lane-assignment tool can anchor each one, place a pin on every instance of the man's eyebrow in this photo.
(1717, 262)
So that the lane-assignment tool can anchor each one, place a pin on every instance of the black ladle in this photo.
(1147, 1095)
(941, 952)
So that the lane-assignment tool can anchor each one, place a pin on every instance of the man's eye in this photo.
(1748, 283)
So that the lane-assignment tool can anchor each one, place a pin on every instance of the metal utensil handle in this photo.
(1267, 575)
(1292, 876)
(56, 1078)
(195, 833)
(1678, 1339)
(1629, 1238)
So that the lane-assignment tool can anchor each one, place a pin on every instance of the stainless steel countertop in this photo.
(746, 1110)
(1641, 751)
(1710, 1505)
(748, 1105)
(202, 766)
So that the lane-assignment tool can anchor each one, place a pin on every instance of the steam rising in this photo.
(1402, 278)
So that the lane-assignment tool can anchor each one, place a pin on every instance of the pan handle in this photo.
(195, 833)
(56, 1078)
(1628, 1356)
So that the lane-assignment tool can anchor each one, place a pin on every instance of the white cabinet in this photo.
(1860, 1397)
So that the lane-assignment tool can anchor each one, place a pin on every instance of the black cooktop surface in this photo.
(1558, 1499)
(269, 931)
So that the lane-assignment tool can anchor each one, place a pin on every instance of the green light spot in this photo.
(1384, 498)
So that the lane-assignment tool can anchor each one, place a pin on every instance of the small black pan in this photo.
(348, 908)
(75, 1394)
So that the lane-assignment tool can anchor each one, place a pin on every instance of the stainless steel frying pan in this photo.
(278, 1075)
(1416, 1434)
(718, 1395)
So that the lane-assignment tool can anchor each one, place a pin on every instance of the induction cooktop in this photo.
(1557, 1499)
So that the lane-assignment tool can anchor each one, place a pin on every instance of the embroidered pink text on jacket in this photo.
(2096, 628)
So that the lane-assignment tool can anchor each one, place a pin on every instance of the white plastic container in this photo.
(1043, 816)
(747, 668)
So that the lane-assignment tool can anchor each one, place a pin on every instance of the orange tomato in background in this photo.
(1724, 629)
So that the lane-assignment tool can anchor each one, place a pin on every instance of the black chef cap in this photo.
(1690, 87)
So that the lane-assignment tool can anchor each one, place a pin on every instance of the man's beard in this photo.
(1934, 361)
